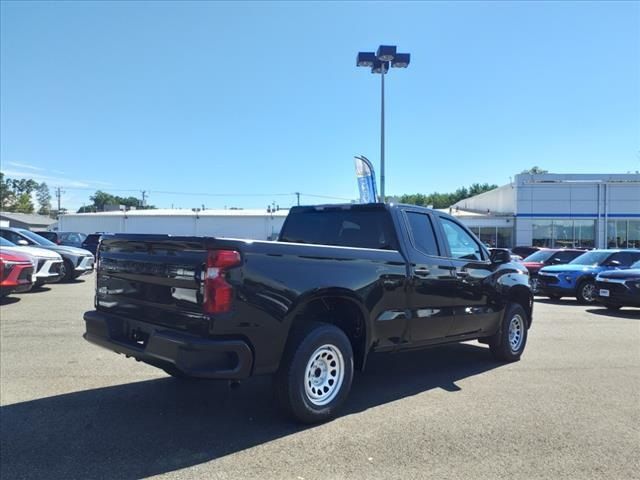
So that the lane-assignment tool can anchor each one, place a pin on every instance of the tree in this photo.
(44, 199)
(6, 193)
(535, 170)
(444, 200)
(101, 199)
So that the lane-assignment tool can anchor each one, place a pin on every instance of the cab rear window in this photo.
(345, 227)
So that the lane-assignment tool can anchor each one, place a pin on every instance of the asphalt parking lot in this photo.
(569, 409)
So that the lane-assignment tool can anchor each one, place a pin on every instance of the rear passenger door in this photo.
(432, 292)
(475, 310)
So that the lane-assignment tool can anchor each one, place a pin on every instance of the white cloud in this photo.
(56, 181)
(26, 165)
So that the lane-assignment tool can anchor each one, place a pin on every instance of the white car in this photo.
(46, 264)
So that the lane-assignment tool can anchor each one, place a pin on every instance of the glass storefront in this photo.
(623, 233)
(564, 233)
(499, 237)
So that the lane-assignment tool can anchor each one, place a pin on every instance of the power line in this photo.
(145, 193)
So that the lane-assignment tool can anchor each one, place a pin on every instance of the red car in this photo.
(16, 273)
(545, 257)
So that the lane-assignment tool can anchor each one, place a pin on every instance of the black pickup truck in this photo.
(340, 282)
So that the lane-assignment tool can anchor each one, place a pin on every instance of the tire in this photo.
(586, 293)
(535, 285)
(38, 283)
(508, 344)
(66, 271)
(316, 373)
(613, 308)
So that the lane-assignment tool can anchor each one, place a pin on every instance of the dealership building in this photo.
(557, 210)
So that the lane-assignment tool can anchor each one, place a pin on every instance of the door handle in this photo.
(421, 272)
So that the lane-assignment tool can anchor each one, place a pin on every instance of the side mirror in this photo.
(22, 243)
(500, 256)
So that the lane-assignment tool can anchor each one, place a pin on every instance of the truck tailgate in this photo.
(153, 278)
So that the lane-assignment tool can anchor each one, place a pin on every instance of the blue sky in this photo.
(239, 99)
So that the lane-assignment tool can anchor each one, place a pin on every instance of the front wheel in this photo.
(535, 285)
(316, 372)
(586, 292)
(508, 344)
(66, 271)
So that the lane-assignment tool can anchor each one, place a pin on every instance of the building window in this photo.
(505, 237)
(564, 233)
(584, 233)
(623, 234)
(542, 234)
(488, 236)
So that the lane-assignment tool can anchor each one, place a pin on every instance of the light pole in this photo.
(379, 63)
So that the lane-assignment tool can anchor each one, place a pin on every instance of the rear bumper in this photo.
(165, 348)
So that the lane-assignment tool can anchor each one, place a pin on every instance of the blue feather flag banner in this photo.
(366, 180)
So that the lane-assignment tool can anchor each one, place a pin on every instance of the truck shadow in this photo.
(626, 313)
(156, 426)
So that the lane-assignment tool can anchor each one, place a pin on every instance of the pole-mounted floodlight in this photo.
(380, 62)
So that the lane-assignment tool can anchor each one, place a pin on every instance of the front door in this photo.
(431, 296)
(475, 310)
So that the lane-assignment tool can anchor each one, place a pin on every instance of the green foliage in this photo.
(444, 200)
(15, 194)
(44, 199)
(101, 199)
(534, 170)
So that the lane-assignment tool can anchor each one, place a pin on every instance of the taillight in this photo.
(218, 294)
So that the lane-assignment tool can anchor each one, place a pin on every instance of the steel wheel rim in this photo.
(324, 375)
(535, 285)
(588, 292)
(516, 333)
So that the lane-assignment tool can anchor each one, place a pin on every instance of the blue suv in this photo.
(577, 278)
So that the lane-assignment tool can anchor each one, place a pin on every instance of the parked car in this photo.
(76, 261)
(91, 242)
(46, 263)
(341, 281)
(524, 251)
(545, 257)
(71, 239)
(577, 278)
(514, 257)
(16, 272)
(620, 288)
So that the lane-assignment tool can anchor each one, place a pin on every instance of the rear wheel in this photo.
(586, 292)
(508, 344)
(316, 373)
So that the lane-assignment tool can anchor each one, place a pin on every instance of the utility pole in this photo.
(144, 198)
(59, 193)
(298, 195)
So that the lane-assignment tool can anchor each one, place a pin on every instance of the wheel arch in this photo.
(339, 307)
(523, 296)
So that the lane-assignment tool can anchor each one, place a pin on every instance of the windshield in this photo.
(6, 243)
(590, 258)
(539, 256)
(37, 238)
